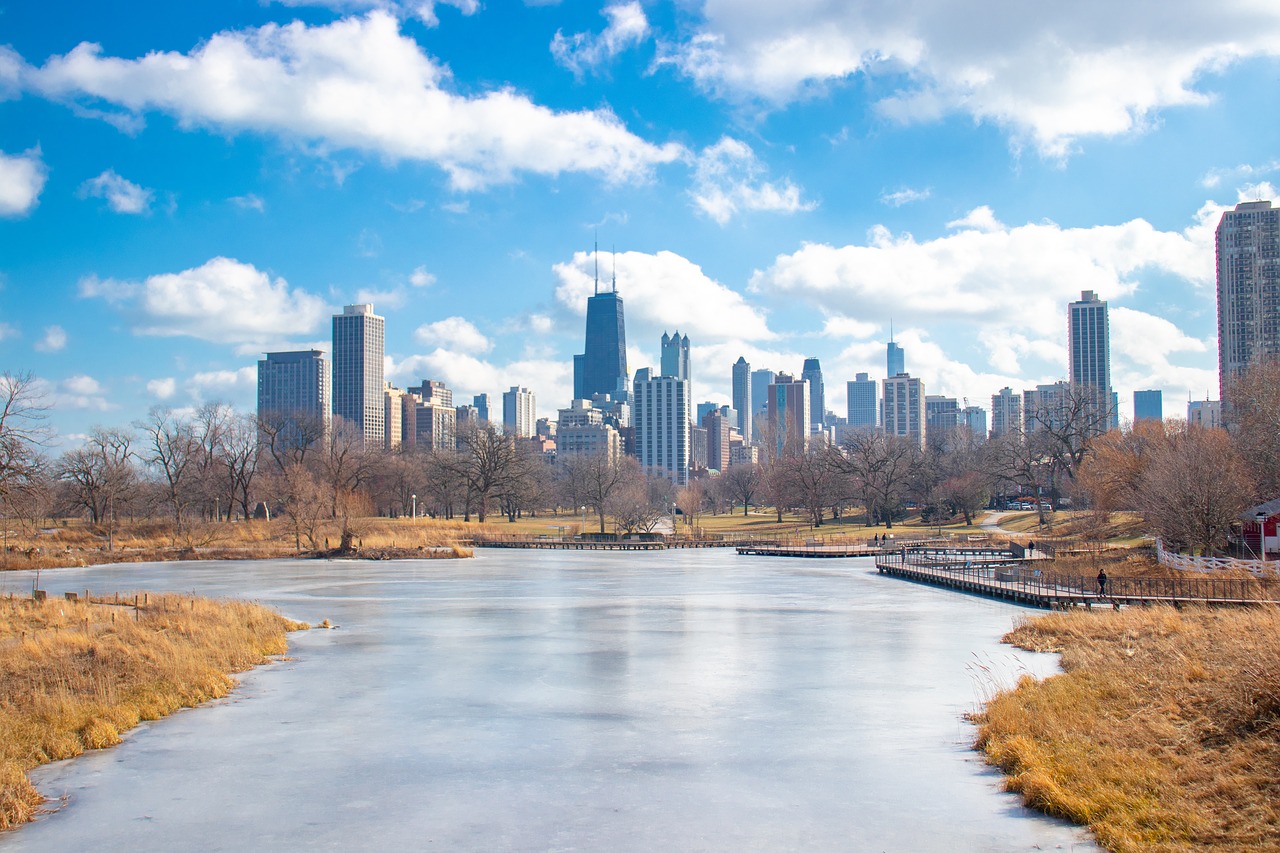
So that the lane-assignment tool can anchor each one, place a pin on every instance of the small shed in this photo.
(1258, 527)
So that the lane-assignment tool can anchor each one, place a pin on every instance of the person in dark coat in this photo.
(1102, 582)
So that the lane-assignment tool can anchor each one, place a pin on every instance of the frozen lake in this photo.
(523, 700)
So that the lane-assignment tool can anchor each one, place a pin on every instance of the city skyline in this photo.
(164, 229)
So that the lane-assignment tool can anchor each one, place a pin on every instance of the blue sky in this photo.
(182, 189)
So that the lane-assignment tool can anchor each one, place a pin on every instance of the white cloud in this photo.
(582, 52)
(121, 195)
(979, 219)
(453, 333)
(223, 301)
(423, 10)
(421, 278)
(7, 331)
(357, 83)
(55, 338)
(1049, 73)
(22, 177)
(249, 201)
(906, 195)
(162, 389)
(839, 326)
(727, 181)
(81, 392)
(663, 291)
(1214, 177)
(223, 384)
(1261, 191)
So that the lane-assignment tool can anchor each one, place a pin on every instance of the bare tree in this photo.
(100, 475)
(881, 467)
(239, 455)
(1067, 424)
(691, 499)
(488, 463)
(1253, 416)
(740, 484)
(289, 437)
(172, 450)
(593, 480)
(1193, 489)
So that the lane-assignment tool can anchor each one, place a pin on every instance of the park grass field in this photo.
(75, 675)
(1162, 734)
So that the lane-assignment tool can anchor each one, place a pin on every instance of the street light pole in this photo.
(415, 505)
(582, 528)
(1261, 518)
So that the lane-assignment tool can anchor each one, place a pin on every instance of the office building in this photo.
(812, 373)
(1089, 352)
(675, 355)
(587, 439)
(393, 416)
(760, 381)
(863, 403)
(1006, 413)
(941, 414)
(742, 396)
(788, 415)
(429, 424)
(660, 409)
(1148, 406)
(903, 407)
(434, 391)
(1248, 274)
(1204, 413)
(718, 430)
(293, 396)
(1045, 406)
(602, 367)
(519, 412)
(481, 402)
(358, 348)
(975, 418)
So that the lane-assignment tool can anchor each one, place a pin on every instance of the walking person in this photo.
(1102, 582)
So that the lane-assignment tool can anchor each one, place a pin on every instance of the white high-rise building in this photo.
(519, 412)
(358, 349)
(1089, 349)
(903, 407)
(661, 406)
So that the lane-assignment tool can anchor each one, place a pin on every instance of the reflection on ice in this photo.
(549, 701)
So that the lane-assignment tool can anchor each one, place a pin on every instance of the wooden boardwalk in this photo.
(569, 545)
(818, 551)
(997, 574)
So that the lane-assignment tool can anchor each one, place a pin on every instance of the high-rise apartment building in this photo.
(1148, 406)
(1089, 351)
(393, 416)
(717, 427)
(1045, 406)
(742, 396)
(675, 355)
(788, 415)
(941, 414)
(903, 407)
(519, 412)
(293, 387)
(975, 418)
(481, 402)
(812, 373)
(602, 367)
(1248, 254)
(358, 348)
(660, 409)
(863, 402)
(1006, 413)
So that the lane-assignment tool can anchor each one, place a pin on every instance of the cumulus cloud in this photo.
(55, 338)
(249, 201)
(230, 385)
(121, 195)
(357, 83)
(454, 333)
(162, 389)
(664, 291)
(1214, 177)
(906, 195)
(22, 177)
(1263, 190)
(582, 52)
(223, 301)
(1051, 74)
(423, 10)
(421, 278)
(81, 392)
(728, 179)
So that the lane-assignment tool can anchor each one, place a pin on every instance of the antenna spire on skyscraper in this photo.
(613, 255)
(595, 255)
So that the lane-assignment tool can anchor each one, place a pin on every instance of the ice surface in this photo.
(678, 700)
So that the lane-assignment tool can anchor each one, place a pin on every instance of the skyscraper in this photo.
(903, 407)
(742, 397)
(760, 381)
(358, 347)
(863, 403)
(975, 418)
(293, 386)
(1248, 251)
(1089, 350)
(895, 359)
(812, 373)
(1006, 413)
(519, 412)
(602, 367)
(941, 414)
(675, 355)
(788, 414)
(481, 402)
(1148, 406)
(660, 415)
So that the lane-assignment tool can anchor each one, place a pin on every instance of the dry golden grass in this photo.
(1162, 734)
(76, 543)
(74, 675)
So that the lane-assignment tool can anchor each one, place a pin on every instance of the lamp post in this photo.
(582, 528)
(1261, 518)
(414, 498)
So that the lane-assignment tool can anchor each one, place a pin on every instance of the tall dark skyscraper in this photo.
(895, 360)
(742, 402)
(812, 373)
(602, 367)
